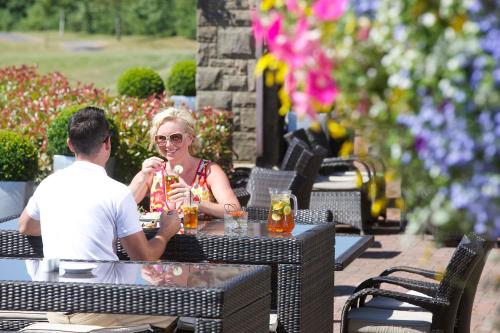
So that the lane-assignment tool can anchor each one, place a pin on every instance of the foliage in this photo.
(57, 132)
(29, 102)
(214, 130)
(145, 17)
(18, 157)
(140, 82)
(182, 78)
(420, 80)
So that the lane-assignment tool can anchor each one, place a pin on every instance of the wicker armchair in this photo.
(348, 200)
(256, 193)
(430, 307)
(307, 162)
(304, 216)
(422, 288)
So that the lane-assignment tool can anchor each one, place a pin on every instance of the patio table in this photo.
(302, 276)
(350, 247)
(222, 298)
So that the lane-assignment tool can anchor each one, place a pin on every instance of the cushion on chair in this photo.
(27, 315)
(375, 320)
(64, 328)
(336, 185)
(391, 303)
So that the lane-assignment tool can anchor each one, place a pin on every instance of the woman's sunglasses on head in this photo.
(175, 138)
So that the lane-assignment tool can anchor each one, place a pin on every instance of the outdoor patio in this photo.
(402, 250)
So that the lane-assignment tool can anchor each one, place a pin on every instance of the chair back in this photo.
(463, 319)
(455, 278)
(262, 179)
(306, 162)
(304, 216)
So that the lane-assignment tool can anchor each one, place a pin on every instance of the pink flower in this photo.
(302, 105)
(321, 86)
(293, 7)
(326, 10)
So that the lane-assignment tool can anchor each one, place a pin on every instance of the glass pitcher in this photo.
(281, 216)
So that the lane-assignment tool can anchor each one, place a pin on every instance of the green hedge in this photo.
(140, 82)
(18, 157)
(57, 133)
(182, 78)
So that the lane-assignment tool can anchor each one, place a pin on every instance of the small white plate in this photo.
(149, 217)
(77, 267)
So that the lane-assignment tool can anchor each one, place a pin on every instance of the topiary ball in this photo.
(140, 82)
(18, 157)
(57, 132)
(182, 78)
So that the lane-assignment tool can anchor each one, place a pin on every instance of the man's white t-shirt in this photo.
(82, 212)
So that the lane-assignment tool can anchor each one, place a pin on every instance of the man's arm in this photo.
(28, 225)
(139, 248)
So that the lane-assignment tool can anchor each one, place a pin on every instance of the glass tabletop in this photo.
(179, 275)
(254, 229)
(9, 225)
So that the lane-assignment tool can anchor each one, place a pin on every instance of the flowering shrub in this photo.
(29, 102)
(214, 130)
(421, 81)
(294, 32)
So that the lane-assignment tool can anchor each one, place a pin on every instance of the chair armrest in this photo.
(430, 304)
(424, 287)
(242, 195)
(347, 162)
(423, 272)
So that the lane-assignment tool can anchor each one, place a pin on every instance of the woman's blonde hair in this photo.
(182, 115)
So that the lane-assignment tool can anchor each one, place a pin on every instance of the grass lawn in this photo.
(98, 59)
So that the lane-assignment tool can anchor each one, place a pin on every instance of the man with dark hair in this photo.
(80, 212)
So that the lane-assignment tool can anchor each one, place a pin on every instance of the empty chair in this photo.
(307, 162)
(425, 288)
(262, 179)
(438, 307)
(304, 216)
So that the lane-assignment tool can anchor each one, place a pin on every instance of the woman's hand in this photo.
(151, 164)
(179, 192)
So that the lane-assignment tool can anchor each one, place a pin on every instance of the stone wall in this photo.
(226, 62)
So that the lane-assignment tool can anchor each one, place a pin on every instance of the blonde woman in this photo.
(173, 134)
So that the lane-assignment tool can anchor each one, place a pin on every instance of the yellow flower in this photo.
(457, 22)
(346, 149)
(336, 130)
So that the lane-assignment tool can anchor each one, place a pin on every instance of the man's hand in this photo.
(170, 223)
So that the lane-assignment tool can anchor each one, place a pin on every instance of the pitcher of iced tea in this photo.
(281, 215)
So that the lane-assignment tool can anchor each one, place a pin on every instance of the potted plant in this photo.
(18, 169)
(181, 84)
(57, 135)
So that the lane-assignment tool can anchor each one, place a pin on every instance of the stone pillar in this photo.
(226, 61)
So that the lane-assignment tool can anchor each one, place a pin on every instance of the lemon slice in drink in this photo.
(276, 217)
(287, 210)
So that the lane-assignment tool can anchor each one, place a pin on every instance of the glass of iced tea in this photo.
(190, 211)
(169, 180)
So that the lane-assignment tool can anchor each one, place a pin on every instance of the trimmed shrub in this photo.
(182, 78)
(57, 132)
(18, 157)
(140, 82)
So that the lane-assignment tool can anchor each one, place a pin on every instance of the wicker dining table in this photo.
(301, 261)
(302, 278)
(222, 298)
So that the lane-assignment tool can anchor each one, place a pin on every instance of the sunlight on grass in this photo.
(97, 59)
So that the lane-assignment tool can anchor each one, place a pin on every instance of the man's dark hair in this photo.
(87, 130)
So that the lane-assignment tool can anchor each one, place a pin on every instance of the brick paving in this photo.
(403, 250)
